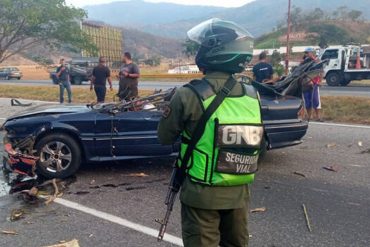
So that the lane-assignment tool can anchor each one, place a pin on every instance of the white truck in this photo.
(184, 69)
(345, 64)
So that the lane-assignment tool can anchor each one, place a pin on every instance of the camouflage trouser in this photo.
(213, 228)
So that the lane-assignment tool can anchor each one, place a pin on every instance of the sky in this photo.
(222, 3)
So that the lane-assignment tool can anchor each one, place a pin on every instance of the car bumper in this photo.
(285, 133)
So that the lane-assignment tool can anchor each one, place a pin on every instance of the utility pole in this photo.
(287, 42)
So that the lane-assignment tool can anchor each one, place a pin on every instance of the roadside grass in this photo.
(346, 109)
(79, 95)
(363, 83)
(360, 83)
(335, 108)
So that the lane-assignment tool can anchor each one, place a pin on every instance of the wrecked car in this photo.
(66, 135)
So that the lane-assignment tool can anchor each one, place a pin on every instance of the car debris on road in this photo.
(72, 243)
(330, 168)
(9, 232)
(307, 218)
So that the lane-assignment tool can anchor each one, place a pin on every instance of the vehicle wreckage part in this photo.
(15, 102)
(60, 156)
(18, 162)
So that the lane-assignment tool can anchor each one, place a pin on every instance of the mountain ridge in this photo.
(173, 20)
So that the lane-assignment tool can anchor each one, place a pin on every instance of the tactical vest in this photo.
(228, 151)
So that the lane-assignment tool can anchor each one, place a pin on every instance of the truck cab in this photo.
(345, 63)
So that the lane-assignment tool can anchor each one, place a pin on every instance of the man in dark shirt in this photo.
(128, 78)
(263, 71)
(100, 75)
(64, 83)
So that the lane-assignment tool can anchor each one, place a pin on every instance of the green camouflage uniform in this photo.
(211, 216)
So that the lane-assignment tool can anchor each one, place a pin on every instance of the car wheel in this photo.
(60, 156)
(333, 79)
(18, 78)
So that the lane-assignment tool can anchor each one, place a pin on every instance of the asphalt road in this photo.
(338, 203)
(359, 91)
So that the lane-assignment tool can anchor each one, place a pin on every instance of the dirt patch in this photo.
(36, 72)
(346, 109)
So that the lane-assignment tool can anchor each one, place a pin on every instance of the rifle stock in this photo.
(177, 178)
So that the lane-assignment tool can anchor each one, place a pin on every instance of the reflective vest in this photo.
(228, 151)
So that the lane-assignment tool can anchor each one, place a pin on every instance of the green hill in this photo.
(321, 32)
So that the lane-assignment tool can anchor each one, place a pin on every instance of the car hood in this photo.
(49, 109)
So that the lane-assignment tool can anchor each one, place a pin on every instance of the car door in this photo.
(103, 135)
(135, 135)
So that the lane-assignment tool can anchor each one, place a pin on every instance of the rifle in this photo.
(177, 178)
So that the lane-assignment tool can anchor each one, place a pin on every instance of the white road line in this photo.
(120, 221)
(341, 125)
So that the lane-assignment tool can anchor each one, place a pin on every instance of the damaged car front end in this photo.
(19, 164)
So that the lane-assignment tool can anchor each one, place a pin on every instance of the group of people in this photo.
(263, 72)
(128, 76)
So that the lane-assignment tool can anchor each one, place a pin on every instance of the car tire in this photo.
(18, 78)
(60, 156)
(334, 79)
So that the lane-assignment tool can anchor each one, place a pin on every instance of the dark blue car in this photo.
(65, 136)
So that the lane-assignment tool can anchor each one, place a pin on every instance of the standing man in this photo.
(64, 81)
(128, 78)
(100, 75)
(263, 71)
(215, 191)
(312, 97)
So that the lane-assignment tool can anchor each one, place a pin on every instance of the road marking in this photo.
(120, 221)
(342, 125)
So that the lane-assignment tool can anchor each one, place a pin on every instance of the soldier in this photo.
(215, 193)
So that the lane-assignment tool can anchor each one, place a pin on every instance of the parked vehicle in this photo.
(184, 69)
(346, 63)
(9, 73)
(80, 70)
